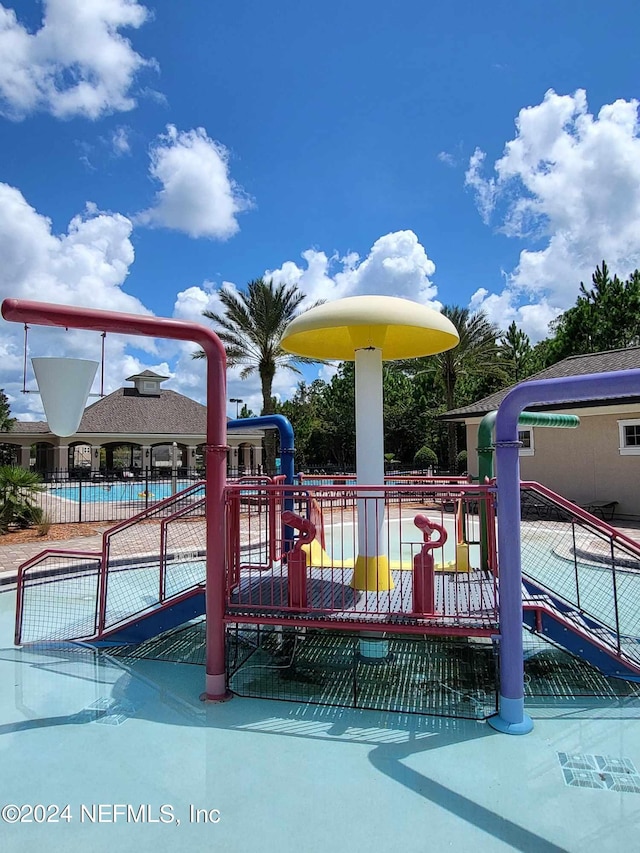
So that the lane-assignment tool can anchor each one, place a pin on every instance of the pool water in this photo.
(108, 492)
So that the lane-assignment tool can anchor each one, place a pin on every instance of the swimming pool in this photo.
(108, 492)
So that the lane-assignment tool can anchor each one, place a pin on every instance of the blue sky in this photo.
(457, 153)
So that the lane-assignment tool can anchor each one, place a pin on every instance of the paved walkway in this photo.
(12, 556)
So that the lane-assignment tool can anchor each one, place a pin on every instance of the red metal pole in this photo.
(70, 317)
(423, 567)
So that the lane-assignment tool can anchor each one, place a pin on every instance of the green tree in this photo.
(304, 411)
(475, 358)
(405, 415)
(425, 458)
(516, 354)
(605, 316)
(250, 326)
(339, 417)
(6, 425)
(246, 412)
(18, 491)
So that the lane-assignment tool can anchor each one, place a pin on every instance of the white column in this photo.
(61, 461)
(145, 451)
(234, 460)
(372, 570)
(95, 458)
(257, 457)
(246, 458)
(25, 456)
(191, 455)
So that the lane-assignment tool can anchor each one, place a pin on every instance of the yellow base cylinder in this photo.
(372, 574)
(462, 557)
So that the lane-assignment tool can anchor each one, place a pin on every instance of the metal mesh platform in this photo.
(437, 676)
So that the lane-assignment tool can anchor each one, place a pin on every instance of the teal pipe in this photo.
(485, 456)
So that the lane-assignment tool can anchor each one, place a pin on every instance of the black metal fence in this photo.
(80, 495)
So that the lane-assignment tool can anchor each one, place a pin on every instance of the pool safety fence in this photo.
(343, 555)
(583, 572)
(144, 562)
(108, 496)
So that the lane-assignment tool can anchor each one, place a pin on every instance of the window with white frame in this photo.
(629, 435)
(526, 437)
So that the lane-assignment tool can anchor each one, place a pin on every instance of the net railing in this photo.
(57, 597)
(581, 561)
(360, 565)
(153, 557)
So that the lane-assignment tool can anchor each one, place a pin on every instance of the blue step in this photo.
(155, 622)
(580, 635)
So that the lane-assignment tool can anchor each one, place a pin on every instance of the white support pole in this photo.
(372, 563)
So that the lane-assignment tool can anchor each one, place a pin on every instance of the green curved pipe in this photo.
(485, 455)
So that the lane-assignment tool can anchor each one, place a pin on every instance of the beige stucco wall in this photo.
(583, 464)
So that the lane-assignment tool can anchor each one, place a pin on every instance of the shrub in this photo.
(18, 489)
(425, 458)
(44, 525)
(461, 462)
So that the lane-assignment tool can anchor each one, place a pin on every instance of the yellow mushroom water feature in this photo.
(369, 330)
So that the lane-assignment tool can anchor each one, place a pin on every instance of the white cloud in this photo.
(120, 141)
(86, 266)
(397, 265)
(484, 189)
(571, 181)
(198, 195)
(446, 158)
(77, 63)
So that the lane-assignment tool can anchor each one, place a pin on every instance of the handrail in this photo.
(152, 510)
(149, 512)
(582, 514)
(421, 478)
(34, 561)
(65, 552)
(163, 542)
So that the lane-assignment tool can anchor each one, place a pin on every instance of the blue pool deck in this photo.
(78, 726)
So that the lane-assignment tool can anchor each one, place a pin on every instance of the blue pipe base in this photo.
(511, 718)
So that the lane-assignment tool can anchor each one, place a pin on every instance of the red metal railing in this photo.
(57, 595)
(587, 566)
(156, 556)
(134, 556)
(465, 601)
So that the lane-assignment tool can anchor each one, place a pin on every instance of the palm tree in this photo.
(251, 328)
(18, 489)
(475, 357)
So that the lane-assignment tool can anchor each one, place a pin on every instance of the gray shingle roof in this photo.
(126, 411)
(34, 427)
(575, 365)
(148, 374)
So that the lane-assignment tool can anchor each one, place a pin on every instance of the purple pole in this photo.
(511, 717)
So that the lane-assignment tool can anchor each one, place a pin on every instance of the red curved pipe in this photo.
(72, 317)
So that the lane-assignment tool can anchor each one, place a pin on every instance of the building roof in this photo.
(574, 365)
(126, 412)
(146, 374)
(34, 427)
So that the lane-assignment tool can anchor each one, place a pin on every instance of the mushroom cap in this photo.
(399, 327)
